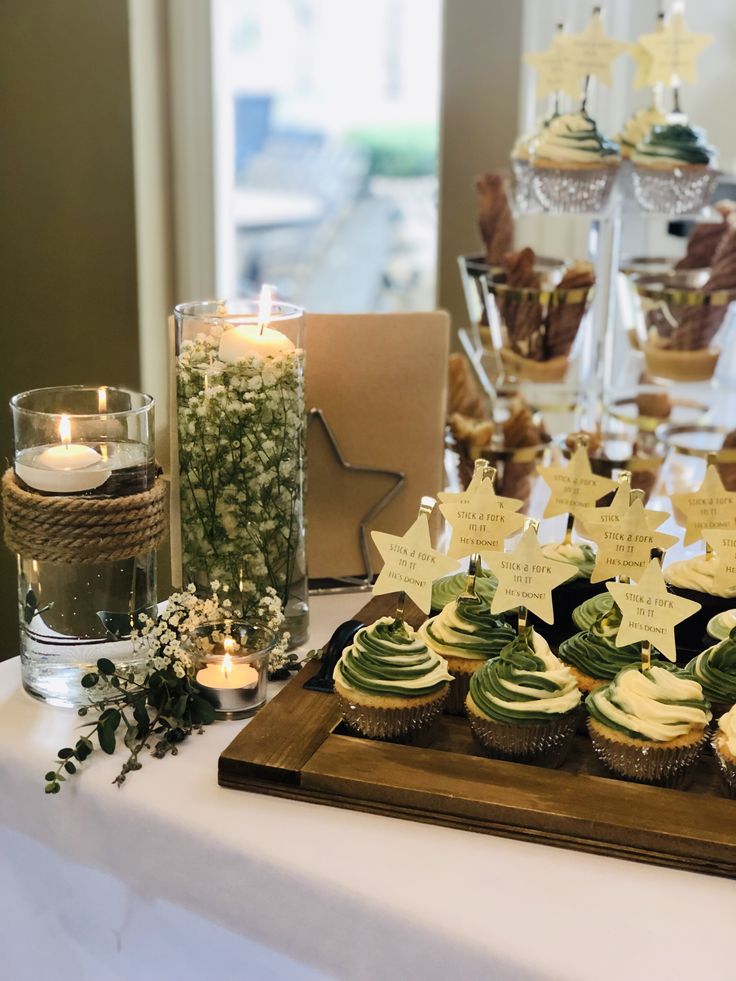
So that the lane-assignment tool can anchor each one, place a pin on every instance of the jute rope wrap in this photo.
(83, 529)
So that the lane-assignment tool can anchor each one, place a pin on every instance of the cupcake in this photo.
(715, 670)
(524, 196)
(649, 726)
(388, 683)
(721, 625)
(724, 746)
(592, 655)
(674, 169)
(637, 127)
(466, 634)
(570, 594)
(523, 705)
(694, 578)
(574, 167)
(448, 588)
(585, 615)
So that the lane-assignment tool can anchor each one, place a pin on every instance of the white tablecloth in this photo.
(173, 877)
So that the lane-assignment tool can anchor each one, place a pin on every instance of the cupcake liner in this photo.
(662, 766)
(542, 743)
(726, 769)
(455, 704)
(392, 723)
(524, 197)
(674, 192)
(571, 189)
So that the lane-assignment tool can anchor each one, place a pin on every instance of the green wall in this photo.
(67, 233)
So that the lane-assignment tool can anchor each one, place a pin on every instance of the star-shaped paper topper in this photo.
(723, 556)
(643, 60)
(481, 523)
(592, 52)
(674, 50)
(710, 506)
(575, 486)
(592, 517)
(625, 546)
(410, 562)
(553, 69)
(526, 577)
(649, 612)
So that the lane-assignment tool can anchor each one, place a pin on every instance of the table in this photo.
(174, 877)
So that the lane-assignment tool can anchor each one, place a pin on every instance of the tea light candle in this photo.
(65, 467)
(227, 675)
(233, 689)
(246, 340)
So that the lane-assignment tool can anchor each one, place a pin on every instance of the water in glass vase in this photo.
(72, 615)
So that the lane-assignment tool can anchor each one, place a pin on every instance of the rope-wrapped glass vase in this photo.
(240, 429)
(84, 512)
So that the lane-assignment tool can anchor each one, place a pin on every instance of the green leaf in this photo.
(90, 680)
(106, 737)
(50, 776)
(180, 706)
(105, 666)
(51, 788)
(140, 714)
(204, 710)
(65, 754)
(83, 710)
(70, 767)
(111, 717)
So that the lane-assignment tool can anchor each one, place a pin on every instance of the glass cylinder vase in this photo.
(84, 582)
(241, 429)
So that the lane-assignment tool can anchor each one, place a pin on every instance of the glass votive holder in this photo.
(78, 439)
(230, 660)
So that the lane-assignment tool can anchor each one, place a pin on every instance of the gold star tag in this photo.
(481, 523)
(723, 557)
(410, 563)
(479, 479)
(526, 577)
(710, 506)
(625, 546)
(592, 517)
(553, 70)
(592, 52)
(643, 61)
(649, 611)
(574, 486)
(673, 51)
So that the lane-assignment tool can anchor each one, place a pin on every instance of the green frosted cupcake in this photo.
(715, 670)
(585, 615)
(592, 655)
(724, 746)
(448, 588)
(523, 704)
(466, 634)
(649, 726)
(388, 683)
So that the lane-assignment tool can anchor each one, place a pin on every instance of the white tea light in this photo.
(245, 340)
(62, 468)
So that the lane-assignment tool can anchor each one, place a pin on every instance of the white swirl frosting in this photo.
(574, 138)
(727, 725)
(697, 573)
(639, 125)
(658, 704)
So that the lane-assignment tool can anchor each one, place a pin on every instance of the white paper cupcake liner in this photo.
(392, 723)
(673, 192)
(571, 190)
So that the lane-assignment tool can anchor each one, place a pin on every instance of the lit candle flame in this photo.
(102, 400)
(227, 662)
(65, 430)
(265, 304)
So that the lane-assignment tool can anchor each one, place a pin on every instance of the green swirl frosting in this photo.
(387, 658)
(448, 588)
(674, 143)
(594, 651)
(573, 137)
(659, 704)
(715, 670)
(525, 683)
(467, 628)
(582, 556)
(585, 615)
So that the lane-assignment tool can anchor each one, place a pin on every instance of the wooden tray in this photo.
(298, 747)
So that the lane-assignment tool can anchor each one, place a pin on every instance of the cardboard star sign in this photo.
(526, 577)
(592, 52)
(553, 69)
(710, 506)
(723, 558)
(625, 546)
(482, 477)
(575, 486)
(649, 611)
(481, 523)
(591, 518)
(674, 50)
(410, 563)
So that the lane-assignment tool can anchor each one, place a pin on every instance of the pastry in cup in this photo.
(449, 588)
(466, 634)
(569, 595)
(715, 670)
(694, 579)
(705, 236)
(637, 127)
(495, 220)
(523, 705)
(674, 169)
(724, 747)
(574, 167)
(590, 610)
(388, 683)
(649, 726)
